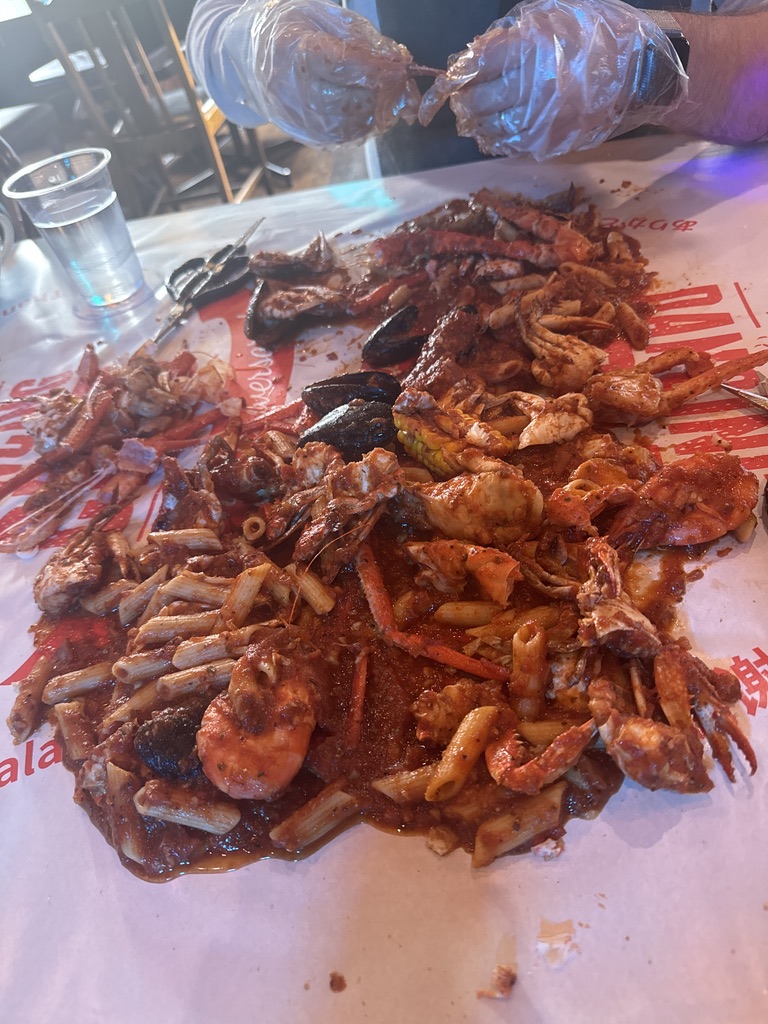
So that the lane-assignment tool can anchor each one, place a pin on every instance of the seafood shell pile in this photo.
(436, 594)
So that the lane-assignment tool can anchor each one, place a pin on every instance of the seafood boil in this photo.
(436, 594)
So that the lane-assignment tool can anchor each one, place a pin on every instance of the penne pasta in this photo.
(174, 802)
(74, 684)
(530, 670)
(461, 754)
(75, 731)
(254, 528)
(466, 614)
(141, 702)
(28, 707)
(319, 597)
(506, 623)
(137, 668)
(133, 604)
(237, 606)
(405, 787)
(533, 816)
(542, 733)
(108, 599)
(162, 628)
(329, 809)
(193, 586)
(229, 644)
(197, 540)
(127, 833)
(214, 675)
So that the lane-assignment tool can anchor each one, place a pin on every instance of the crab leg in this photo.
(402, 246)
(97, 403)
(553, 762)
(357, 699)
(703, 382)
(417, 646)
(23, 476)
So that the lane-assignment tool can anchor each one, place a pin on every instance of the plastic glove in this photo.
(321, 73)
(559, 75)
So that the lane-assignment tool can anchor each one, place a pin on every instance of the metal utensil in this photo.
(758, 397)
(206, 271)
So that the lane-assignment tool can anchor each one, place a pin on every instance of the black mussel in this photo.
(166, 743)
(394, 340)
(354, 428)
(369, 385)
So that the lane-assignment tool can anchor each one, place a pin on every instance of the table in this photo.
(665, 898)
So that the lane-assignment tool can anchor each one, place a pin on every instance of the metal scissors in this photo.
(758, 397)
(199, 281)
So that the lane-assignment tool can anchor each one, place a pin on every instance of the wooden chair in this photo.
(142, 103)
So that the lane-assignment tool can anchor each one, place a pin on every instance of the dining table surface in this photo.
(656, 910)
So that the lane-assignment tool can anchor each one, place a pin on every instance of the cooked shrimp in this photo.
(253, 739)
(250, 765)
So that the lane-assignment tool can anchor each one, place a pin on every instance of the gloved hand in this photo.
(321, 73)
(559, 75)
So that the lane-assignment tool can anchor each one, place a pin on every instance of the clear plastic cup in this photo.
(71, 201)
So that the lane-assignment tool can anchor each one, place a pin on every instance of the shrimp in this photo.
(253, 739)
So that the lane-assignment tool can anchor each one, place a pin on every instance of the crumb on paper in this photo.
(549, 849)
(556, 943)
(337, 981)
(503, 978)
(442, 840)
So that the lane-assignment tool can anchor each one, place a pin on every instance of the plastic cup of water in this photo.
(71, 201)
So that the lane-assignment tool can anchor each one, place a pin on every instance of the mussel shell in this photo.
(369, 385)
(354, 428)
(393, 340)
(166, 743)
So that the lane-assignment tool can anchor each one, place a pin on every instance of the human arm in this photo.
(321, 73)
(728, 77)
(561, 75)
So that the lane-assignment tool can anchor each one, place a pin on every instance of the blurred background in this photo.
(102, 72)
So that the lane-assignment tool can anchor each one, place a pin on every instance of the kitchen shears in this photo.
(202, 280)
